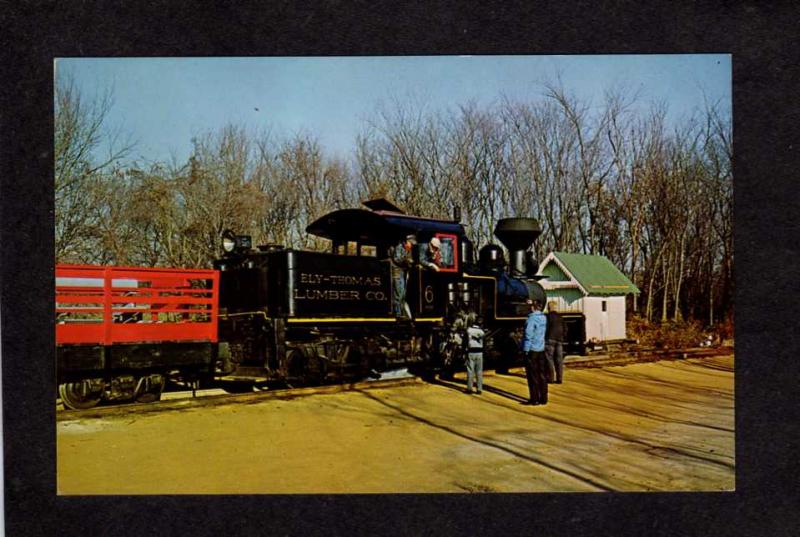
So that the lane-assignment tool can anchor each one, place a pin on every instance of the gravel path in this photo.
(666, 426)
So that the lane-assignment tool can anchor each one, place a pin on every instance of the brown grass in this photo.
(678, 334)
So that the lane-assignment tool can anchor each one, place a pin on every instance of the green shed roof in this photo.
(596, 274)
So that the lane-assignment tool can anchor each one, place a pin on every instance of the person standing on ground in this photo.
(401, 259)
(553, 345)
(474, 347)
(535, 361)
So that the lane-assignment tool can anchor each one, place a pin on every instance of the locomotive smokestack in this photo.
(517, 234)
(456, 213)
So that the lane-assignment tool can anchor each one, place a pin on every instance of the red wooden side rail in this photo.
(108, 305)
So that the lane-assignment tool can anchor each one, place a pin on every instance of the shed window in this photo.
(605, 308)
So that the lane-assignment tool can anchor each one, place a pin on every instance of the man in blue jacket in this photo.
(535, 362)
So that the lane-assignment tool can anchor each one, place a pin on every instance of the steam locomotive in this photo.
(304, 317)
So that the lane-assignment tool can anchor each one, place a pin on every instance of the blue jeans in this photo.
(398, 292)
(554, 351)
(475, 368)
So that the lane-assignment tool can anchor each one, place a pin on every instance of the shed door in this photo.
(616, 317)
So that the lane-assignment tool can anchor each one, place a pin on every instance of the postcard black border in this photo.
(761, 39)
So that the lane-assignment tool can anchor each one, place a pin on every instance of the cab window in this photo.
(449, 251)
(354, 248)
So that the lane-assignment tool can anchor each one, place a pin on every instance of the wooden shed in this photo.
(592, 285)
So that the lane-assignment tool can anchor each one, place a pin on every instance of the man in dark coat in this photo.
(554, 344)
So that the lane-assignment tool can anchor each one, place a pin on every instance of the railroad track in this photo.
(183, 400)
(631, 356)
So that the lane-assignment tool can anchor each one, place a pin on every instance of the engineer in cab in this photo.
(431, 256)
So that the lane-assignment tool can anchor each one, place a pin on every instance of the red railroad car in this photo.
(120, 330)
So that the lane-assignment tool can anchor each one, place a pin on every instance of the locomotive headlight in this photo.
(232, 242)
(228, 241)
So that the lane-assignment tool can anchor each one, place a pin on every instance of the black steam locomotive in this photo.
(310, 317)
(290, 316)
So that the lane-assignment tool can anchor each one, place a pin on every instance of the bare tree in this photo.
(606, 179)
(79, 136)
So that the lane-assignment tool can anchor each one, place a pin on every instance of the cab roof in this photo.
(384, 224)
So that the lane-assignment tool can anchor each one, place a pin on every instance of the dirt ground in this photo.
(663, 426)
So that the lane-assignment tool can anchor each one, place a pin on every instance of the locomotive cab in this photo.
(371, 232)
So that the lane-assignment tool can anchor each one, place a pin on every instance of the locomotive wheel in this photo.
(77, 396)
(302, 370)
(148, 397)
(296, 363)
(152, 395)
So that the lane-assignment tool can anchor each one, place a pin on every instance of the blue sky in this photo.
(163, 102)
